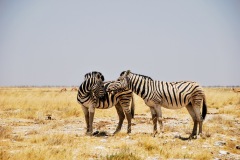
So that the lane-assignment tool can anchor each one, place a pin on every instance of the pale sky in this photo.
(56, 42)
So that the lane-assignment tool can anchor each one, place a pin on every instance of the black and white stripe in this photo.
(171, 95)
(89, 100)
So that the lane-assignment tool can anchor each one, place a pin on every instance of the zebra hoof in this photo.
(192, 137)
(160, 135)
(116, 132)
(154, 133)
(95, 133)
(129, 134)
(88, 133)
(100, 134)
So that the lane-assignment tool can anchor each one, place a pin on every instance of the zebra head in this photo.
(122, 83)
(97, 89)
(94, 74)
(93, 84)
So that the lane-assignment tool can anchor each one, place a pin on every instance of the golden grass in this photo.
(124, 154)
(27, 133)
(5, 132)
(219, 97)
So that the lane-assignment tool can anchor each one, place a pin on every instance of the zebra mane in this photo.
(146, 77)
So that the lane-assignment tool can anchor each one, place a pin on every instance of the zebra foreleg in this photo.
(86, 115)
(154, 119)
(121, 118)
(159, 117)
(91, 116)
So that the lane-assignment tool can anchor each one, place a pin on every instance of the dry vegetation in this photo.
(44, 123)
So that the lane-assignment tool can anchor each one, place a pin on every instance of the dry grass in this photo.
(27, 133)
(5, 132)
(220, 97)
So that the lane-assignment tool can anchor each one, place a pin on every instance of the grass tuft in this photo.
(5, 132)
(123, 154)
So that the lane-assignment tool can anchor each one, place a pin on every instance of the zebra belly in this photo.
(172, 106)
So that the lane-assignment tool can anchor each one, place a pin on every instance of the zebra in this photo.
(121, 100)
(171, 95)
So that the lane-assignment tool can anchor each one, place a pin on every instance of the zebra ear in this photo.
(99, 76)
(102, 77)
(86, 75)
(127, 72)
(123, 72)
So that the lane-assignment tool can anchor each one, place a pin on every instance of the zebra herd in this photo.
(95, 93)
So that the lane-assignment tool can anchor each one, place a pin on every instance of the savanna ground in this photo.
(44, 123)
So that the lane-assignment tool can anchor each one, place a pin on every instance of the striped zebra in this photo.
(171, 95)
(89, 99)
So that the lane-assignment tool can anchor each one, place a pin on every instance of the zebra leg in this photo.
(193, 115)
(197, 110)
(86, 114)
(91, 116)
(154, 119)
(121, 117)
(159, 117)
(129, 118)
(200, 127)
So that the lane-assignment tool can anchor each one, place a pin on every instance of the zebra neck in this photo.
(85, 87)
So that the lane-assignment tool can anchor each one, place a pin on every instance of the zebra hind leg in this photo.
(121, 118)
(197, 110)
(193, 115)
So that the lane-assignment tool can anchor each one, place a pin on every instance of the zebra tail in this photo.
(204, 109)
(132, 107)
